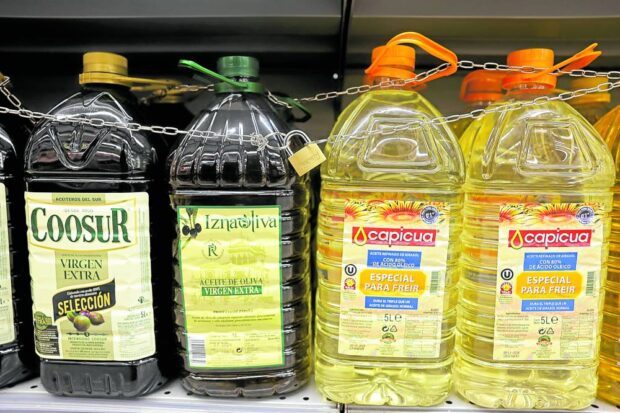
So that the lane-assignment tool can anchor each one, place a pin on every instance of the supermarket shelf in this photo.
(457, 405)
(30, 397)
(172, 398)
(275, 27)
(489, 29)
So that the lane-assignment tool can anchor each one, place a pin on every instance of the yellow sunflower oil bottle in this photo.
(479, 89)
(592, 105)
(388, 243)
(243, 245)
(536, 223)
(609, 369)
(100, 270)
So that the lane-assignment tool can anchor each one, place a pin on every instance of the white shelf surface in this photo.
(30, 397)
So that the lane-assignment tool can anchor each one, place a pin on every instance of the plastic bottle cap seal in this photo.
(538, 58)
(482, 86)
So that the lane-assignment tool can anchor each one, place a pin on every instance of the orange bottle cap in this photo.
(482, 86)
(397, 61)
(538, 58)
(588, 83)
(542, 59)
(394, 61)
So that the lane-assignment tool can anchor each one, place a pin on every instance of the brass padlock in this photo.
(308, 157)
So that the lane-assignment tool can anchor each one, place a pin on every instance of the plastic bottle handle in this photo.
(153, 84)
(577, 61)
(296, 104)
(190, 64)
(127, 80)
(431, 47)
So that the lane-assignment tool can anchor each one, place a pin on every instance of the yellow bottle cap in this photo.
(104, 67)
(588, 83)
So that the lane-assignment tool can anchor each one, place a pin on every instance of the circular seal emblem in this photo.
(429, 214)
(585, 215)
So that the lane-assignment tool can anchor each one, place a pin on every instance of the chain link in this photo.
(6, 91)
(262, 142)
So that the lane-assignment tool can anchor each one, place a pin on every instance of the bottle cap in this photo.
(548, 72)
(588, 83)
(394, 60)
(538, 58)
(482, 86)
(104, 67)
(242, 66)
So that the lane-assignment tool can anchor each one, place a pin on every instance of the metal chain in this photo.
(262, 142)
(6, 91)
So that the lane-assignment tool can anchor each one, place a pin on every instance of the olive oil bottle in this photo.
(17, 357)
(98, 262)
(243, 245)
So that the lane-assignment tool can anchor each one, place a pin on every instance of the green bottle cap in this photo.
(232, 66)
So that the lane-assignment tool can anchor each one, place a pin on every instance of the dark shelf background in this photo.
(304, 47)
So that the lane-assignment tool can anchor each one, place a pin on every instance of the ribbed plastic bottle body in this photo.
(403, 169)
(18, 360)
(62, 158)
(226, 173)
(545, 154)
(609, 369)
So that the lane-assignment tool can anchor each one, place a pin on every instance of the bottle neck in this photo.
(119, 91)
(253, 86)
(479, 104)
(529, 89)
(380, 79)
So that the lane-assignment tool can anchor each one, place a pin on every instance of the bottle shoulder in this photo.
(539, 146)
(59, 147)
(228, 158)
(421, 153)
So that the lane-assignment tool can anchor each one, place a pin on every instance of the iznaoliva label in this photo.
(90, 266)
(7, 326)
(548, 281)
(230, 259)
(393, 278)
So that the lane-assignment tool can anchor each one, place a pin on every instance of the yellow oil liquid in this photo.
(420, 165)
(609, 369)
(460, 126)
(545, 153)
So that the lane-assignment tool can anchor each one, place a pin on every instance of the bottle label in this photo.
(7, 326)
(393, 278)
(548, 281)
(231, 279)
(90, 267)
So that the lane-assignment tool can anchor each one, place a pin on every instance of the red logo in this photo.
(349, 283)
(394, 236)
(549, 238)
(505, 288)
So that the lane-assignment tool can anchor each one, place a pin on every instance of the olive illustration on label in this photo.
(192, 232)
(71, 315)
(85, 313)
(96, 318)
(81, 323)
